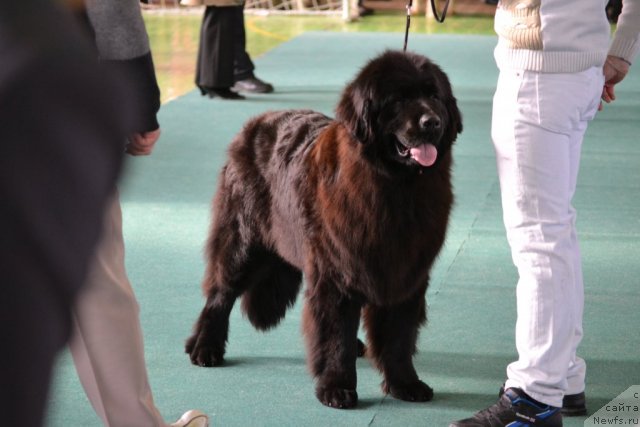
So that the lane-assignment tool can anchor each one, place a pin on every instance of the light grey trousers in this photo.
(107, 345)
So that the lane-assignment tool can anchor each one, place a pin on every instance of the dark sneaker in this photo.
(514, 409)
(573, 405)
(252, 85)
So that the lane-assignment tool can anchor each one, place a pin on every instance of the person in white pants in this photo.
(537, 149)
(556, 62)
(107, 346)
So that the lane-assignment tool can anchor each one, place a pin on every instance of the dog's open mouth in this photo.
(425, 154)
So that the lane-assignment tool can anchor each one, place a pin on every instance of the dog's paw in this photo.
(335, 397)
(414, 392)
(203, 355)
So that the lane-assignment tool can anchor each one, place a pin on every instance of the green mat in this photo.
(468, 341)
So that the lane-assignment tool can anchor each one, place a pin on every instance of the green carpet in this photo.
(468, 342)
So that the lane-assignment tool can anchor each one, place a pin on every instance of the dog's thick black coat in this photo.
(359, 204)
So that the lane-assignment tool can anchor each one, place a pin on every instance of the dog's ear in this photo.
(451, 104)
(355, 111)
(455, 117)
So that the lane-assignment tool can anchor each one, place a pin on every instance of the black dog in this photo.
(360, 204)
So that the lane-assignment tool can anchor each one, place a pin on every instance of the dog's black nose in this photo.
(429, 122)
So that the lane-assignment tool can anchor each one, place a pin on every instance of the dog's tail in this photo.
(276, 289)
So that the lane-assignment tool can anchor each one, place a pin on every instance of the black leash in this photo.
(439, 18)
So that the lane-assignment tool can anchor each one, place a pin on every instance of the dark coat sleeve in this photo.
(123, 44)
(144, 92)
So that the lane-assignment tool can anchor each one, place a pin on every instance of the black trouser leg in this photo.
(214, 68)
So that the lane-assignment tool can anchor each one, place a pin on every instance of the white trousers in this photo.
(538, 124)
(107, 345)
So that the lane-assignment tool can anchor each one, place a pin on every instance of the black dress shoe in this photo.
(224, 93)
(252, 85)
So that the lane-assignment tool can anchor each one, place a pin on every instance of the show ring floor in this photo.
(469, 338)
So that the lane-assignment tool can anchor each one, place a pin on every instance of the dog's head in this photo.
(401, 105)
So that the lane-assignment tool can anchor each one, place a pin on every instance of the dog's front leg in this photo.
(392, 333)
(330, 322)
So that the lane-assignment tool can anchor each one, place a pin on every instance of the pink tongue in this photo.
(425, 154)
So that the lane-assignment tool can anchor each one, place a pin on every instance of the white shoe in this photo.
(192, 418)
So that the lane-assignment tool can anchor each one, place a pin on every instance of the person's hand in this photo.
(615, 69)
(141, 144)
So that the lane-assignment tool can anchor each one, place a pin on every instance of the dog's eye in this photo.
(436, 100)
(393, 107)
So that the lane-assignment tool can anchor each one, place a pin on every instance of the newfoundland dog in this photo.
(359, 204)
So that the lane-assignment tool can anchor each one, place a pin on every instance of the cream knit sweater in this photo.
(563, 35)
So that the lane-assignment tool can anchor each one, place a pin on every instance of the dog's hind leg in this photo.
(330, 321)
(392, 333)
(268, 286)
(272, 288)
(229, 263)
(206, 346)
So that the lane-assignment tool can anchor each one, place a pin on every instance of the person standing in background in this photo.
(224, 68)
(556, 62)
